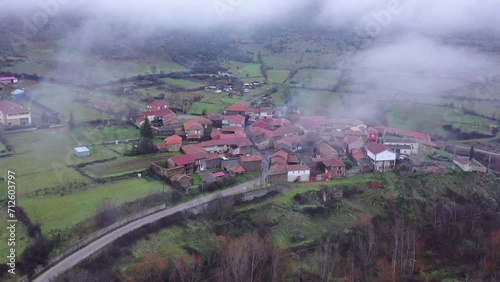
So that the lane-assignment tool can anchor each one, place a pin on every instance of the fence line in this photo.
(90, 239)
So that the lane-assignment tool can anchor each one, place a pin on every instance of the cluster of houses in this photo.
(301, 148)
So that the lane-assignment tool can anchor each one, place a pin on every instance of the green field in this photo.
(63, 212)
(198, 107)
(184, 83)
(311, 100)
(320, 79)
(277, 76)
(125, 165)
(100, 134)
(41, 159)
(430, 119)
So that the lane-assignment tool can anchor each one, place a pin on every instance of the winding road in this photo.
(85, 252)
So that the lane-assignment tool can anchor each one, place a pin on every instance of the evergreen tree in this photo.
(71, 121)
(147, 130)
(471, 153)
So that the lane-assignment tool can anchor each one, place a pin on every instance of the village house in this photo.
(364, 163)
(12, 114)
(216, 120)
(158, 105)
(283, 144)
(402, 146)
(171, 144)
(186, 161)
(194, 130)
(233, 120)
(354, 132)
(207, 126)
(8, 80)
(265, 112)
(232, 166)
(213, 161)
(298, 173)
(163, 170)
(469, 165)
(354, 142)
(251, 163)
(288, 131)
(382, 158)
(324, 150)
(372, 134)
(416, 136)
(241, 108)
(335, 167)
(283, 156)
(235, 146)
(165, 116)
(296, 142)
(275, 123)
(181, 181)
(199, 155)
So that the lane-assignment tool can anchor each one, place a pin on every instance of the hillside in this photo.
(367, 228)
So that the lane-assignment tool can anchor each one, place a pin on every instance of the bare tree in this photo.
(327, 256)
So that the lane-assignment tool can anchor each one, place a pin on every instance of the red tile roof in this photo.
(358, 154)
(173, 140)
(376, 148)
(7, 107)
(212, 157)
(280, 154)
(159, 113)
(283, 142)
(178, 177)
(238, 107)
(333, 162)
(232, 128)
(158, 104)
(183, 159)
(236, 119)
(297, 167)
(238, 169)
(5, 78)
(277, 121)
(203, 121)
(195, 150)
(238, 141)
(351, 139)
(251, 158)
(278, 169)
(192, 125)
(271, 134)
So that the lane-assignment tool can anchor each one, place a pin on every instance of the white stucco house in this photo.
(402, 146)
(381, 156)
(298, 173)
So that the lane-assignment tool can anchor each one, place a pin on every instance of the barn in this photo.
(82, 152)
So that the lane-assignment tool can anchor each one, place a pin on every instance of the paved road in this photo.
(98, 244)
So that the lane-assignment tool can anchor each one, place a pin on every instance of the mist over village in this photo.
(237, 140)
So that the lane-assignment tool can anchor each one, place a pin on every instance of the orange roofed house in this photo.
(172, 144)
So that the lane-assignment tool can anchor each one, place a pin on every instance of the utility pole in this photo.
(489, 162)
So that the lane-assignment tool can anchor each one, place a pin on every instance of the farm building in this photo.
(402, 146)
(82, 152)
(8, 80)
(18, 94)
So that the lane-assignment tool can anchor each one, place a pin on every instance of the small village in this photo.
(280, 144)
(277, 144)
